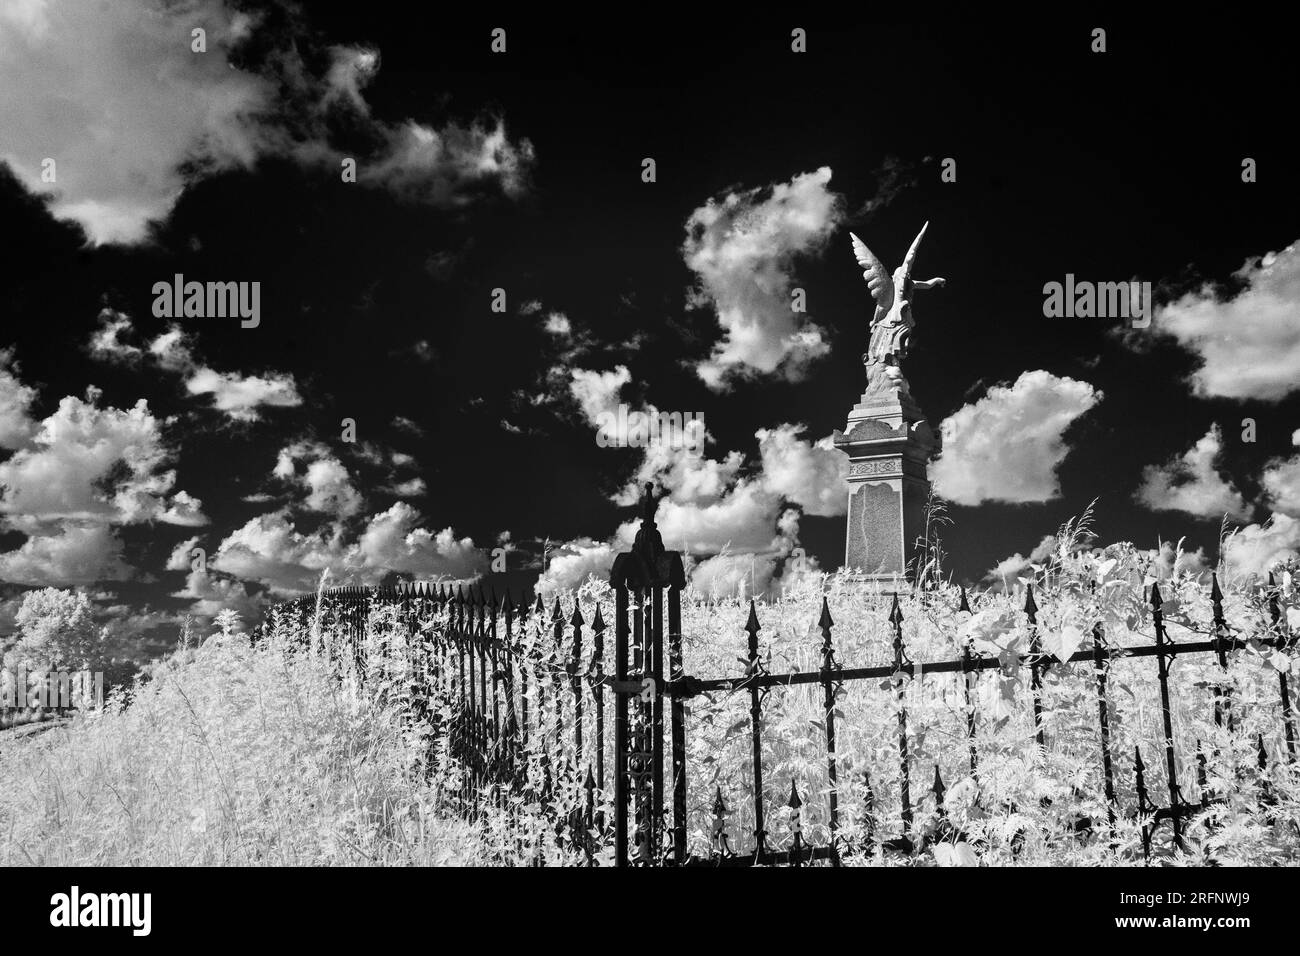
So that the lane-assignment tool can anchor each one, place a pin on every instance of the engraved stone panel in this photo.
(875, 530)
(877, 466)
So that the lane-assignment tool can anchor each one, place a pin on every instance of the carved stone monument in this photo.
(887, 438)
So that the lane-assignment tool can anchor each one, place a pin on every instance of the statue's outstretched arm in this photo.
(930, 284)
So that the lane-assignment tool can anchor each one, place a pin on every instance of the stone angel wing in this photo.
(878, 279)
(911, 253)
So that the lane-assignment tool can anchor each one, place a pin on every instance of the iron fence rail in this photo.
(490, 660)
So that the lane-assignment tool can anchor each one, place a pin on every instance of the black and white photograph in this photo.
(647, 438)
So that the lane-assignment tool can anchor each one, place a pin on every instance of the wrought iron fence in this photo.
(520, 698)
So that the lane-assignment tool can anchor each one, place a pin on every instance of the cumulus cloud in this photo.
(73, 478)
(734, 519)
(811, 475)
(65, 553)
(326, 479)
(1281, 481)
(1258, 548)
(1006, 571)
(181, 557)
(66, 65)
(211, 593)
(394, 542)
(411, 488)
(16, 424)
(87, 463)
(572, 563)
(106, 342)
(742, 248)
(270, 550)
(239, 397)
(177, 116)
(743, 519)
(1191, 484)
(597, 393)
(1007, 445)
(1249, 343)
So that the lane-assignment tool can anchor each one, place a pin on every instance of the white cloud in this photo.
(1257, 548)
(113, 93)
(180, 558)
(212, 593)
(742, 248)
(1249, 345)
(75, 476)
(239, 397)
(423, 164)
(16, 424)
(106, 342)
(326, 479)
(742, 520)
(557, 324)
(270, 550)
(710, 507)
(1008, 445)
(597, 393)
(1281, 481)
(402, 423)
(813, 476)
(686, 478)
(572, 563)
(1191, 484)
(185, 510)
(1006, 571)
(393, 542)
(411, 488)
(66, 553)
(94, 464)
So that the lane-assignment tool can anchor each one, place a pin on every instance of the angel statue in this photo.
(891, 327)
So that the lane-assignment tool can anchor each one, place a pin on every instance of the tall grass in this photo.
(230, 755)
(1023, 805)
(309, 749)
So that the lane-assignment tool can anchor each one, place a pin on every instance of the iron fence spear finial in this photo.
(824, 622)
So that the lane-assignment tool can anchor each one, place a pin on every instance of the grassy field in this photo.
(235, 754)
(230, 755)
(1022, 806)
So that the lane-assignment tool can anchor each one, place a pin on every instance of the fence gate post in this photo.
(645, 570)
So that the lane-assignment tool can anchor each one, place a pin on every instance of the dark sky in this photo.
(1123, 164)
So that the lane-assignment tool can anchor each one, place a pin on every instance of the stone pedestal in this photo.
(889, 444)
